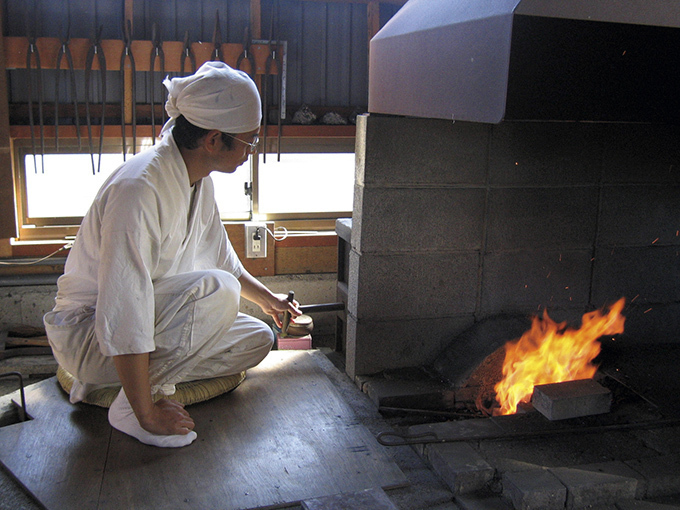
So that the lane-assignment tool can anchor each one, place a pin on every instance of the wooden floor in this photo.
(285, 435)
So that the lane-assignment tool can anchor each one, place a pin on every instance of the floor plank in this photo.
(283, 436)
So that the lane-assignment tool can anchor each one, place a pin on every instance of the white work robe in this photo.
(148, 230)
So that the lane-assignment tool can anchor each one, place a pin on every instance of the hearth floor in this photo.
(654, 450)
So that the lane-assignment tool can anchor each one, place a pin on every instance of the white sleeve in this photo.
(129, 252)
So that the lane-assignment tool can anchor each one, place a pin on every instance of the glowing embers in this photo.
(550, 352)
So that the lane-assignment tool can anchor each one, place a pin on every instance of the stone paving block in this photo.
(662, 474)
(619, 468)
(644, 505)
(571, 399)
(535, 489)
(459, 466)
(586, 489)
(482, 502)
(374, 498)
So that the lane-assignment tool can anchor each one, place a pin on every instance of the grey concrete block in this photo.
(545, 153)
(662, 474)
(375, 499)
(571, 399)
(652, 274)
(644, 505)
(618, 468)
(535, 218)
(641, 153)
(639, 215)
(531, 281)
(374, 345)
(406, 287)
(421, 219)
(459, 466)
(587, 489)
(391, 151)
(455, 430)
(482, 502)
(536, 489)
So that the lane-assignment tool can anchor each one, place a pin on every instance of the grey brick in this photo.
(662, 474)
(571, 399)
(588, 489)
(651, 273)
(535, 489)
(421, 219)
(639, 215)
(404, 287)
(541, 153)
(619, 468)
(392, 152)
(635, 153)
(529, 281)
(534, 218)
(459, 466)
(375, 499)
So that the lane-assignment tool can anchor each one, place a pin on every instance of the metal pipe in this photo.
(322, 307)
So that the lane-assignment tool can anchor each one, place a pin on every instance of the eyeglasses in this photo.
(252, 146)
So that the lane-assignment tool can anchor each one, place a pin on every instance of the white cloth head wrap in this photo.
(215, 97)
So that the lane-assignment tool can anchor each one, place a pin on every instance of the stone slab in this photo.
(375, 499)
(571, 399)
(587, 489)
(461, 468)
(619, 468)
(644, 505)
(482, 502)
(662, 474)
(535, 489)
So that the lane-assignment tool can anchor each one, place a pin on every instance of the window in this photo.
(312, 179)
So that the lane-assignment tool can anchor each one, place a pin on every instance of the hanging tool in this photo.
(280, 78)
(95, 50)
(217, 39)
(127, 55)
(65, 52)
(272, 58)
(156, 52)
(247, 54)
(187, 52)
(31, 55)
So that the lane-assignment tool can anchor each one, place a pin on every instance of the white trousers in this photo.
(199, 334)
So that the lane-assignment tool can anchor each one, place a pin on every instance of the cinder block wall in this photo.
(458, 222)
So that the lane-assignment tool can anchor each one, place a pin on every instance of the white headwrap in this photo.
(215, 97)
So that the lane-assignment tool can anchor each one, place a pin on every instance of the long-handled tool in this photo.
(95, 50)
(156, 52)
(217, 39)
(65, 52)
(286, 316)
(34, 55)
(187, 53)
(246, 54)
(127, 56)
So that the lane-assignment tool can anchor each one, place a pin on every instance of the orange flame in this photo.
(550, 353)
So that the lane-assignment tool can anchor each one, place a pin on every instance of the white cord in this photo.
(285, 233)
(30, 263)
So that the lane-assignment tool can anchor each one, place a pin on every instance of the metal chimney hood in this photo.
(490, 60)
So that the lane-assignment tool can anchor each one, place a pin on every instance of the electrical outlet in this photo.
(256, 240)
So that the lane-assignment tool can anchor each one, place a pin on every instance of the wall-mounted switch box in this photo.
(256, 240)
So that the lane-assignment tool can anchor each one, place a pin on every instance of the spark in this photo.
(637, 296)
(647, 310)
(655, 240)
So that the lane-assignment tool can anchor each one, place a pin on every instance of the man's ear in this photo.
(212, 141)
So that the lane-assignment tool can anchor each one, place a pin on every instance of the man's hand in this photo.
(270, 303)
(167, 417)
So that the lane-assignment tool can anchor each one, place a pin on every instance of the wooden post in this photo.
(8, 226)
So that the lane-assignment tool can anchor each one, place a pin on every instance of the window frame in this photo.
(57, 228)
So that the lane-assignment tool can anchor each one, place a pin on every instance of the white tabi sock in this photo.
(122, 417)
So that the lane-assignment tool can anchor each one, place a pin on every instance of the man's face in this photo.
(241, 148)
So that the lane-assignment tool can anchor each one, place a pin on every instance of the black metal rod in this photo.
(322, 307)
(23, 413)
